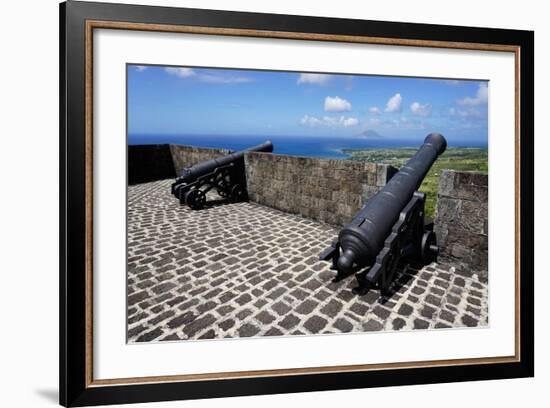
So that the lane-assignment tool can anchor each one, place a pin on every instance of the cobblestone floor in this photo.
(240, 270)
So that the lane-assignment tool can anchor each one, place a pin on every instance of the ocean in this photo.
(324, 147)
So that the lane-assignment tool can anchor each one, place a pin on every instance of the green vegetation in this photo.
(454, 158)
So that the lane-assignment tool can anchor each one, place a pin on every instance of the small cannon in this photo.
(390, 227)
(226, 174)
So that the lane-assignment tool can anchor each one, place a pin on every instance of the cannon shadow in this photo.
(404, 276)
(217, 202)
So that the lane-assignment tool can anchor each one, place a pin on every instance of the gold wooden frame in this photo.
(98, 24)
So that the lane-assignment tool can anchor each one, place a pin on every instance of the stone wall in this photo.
(162, 161)
(461, 222)
(330, 191)
(149, 163)
(185, 156)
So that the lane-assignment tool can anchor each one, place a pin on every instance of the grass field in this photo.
(454, 158)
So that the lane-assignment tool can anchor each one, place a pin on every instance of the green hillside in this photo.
(454, 158)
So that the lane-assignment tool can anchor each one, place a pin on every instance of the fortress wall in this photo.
(333, 191)
(461, 222)
(185, 156)
(330, 191)
(149, 163)
(161, 161)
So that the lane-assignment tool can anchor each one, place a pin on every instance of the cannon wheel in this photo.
(238, 193)
(389, 266)
(428, 248)
(195, 199)
(180, 192)
(223, 188)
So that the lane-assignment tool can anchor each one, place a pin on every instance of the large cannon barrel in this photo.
(199, 169)
(363, 238)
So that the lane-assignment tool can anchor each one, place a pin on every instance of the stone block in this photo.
(383, 174)
(461, 220)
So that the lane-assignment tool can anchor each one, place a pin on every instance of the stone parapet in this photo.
(330, 191)
(149, 163)
(185, 156)
(461, 222)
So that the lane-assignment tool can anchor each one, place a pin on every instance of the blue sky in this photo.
(201, 101)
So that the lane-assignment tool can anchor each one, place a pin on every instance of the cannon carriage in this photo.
(390, 228)
(225, 174)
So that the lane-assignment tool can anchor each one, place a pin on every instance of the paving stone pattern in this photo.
(241, 270)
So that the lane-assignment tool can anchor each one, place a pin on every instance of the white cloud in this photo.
(317, 79)
(209, 78)
(349, 83)
(421, 110)
(482, 96)
(329, 121)
(375, 110)
(348, 122)
(180, 72)
(406, 123)
(458, 112)
(396, 123)
(467, 113)
(452, 82)
(140, 68)
(394, 103)
(336, 104)
(310, 121)
(222, 79)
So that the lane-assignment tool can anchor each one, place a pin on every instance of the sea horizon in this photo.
(310, 146)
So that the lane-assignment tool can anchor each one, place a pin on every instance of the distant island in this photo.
(371, 134)
(455, 158)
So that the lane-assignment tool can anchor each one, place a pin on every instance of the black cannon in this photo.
(226, 174)
(390, 227)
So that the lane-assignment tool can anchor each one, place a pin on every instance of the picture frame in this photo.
(79, 20)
